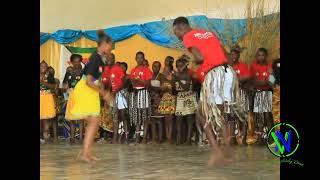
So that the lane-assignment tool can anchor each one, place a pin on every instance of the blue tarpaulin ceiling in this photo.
(158, 32)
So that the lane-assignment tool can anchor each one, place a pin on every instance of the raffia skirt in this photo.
(220, 85)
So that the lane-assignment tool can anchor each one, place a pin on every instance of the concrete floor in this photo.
(58, 161)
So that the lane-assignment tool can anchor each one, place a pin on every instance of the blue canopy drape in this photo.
(159, 32)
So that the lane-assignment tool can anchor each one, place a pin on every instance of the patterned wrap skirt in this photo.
(155, 98)
(106, 117)
(167, 105)
(186, 103)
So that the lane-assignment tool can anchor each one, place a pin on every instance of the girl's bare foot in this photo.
(84, 157)
(94, 158)
(170, 141)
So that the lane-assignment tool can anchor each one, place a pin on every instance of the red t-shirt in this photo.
(241, 69)
(142, 73)
(261, 72)
(105, 77)
(116, 76)
(210, 48)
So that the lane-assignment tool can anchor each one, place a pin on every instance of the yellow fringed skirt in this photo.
(86, 101)
(47, 106)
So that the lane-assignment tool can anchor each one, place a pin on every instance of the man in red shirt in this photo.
(262, 106)
(113, 78)
(139, 102)
(216, 76)
(243, 74)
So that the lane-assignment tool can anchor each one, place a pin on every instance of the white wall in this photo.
(96, 14)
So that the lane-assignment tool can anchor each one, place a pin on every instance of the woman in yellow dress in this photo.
(47, 105)
(87, 91)
(71, 78)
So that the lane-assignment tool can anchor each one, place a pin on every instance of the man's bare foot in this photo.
(244, 142)
(227, 161)
(144, 141)
(114, 141)
(188, 142)
(154, 142)
(72, 141)
(215, 158)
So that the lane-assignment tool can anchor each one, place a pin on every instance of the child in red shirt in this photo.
(139, 102)
(243, 74)
(262, 107)
(113, 78)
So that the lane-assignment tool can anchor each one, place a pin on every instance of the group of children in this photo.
(161, 106)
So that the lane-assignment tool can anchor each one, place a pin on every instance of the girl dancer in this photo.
(86, 94)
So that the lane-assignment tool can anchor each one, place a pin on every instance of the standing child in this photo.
(186, 99)
(139, 104)
(120, 104)
(71, 78)
(124, 124)
(47, 104)
(107, 122)
(243, 74)
(167, 105)
(58, 103)
(155, 96)
(262, 109)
